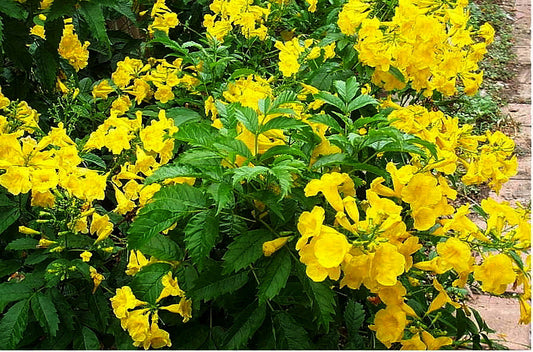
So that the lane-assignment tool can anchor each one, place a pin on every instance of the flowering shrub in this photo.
(272, 174)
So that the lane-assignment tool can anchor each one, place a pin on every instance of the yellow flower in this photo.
(309, 225)
(97, 278)
(86, 256)
(495, 273)
(387, 265)
(525, 311)
(71, 49)
(457, 254)
(101, 226)
(331, 247)
(389, 324)
(435, 343)
(123, 300)
(441, 299)
(136, 262)
(414, 343)
(330, 184)
(27, 231)
(38, 30)
(102, 89)
(44, 243)
(171, 287)
(270, 247)
(184, 308)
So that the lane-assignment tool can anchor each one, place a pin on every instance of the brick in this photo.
(520, 113)
(523, 54)
(524, 74)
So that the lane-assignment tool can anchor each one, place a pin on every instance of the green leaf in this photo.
(94, 16)
(292, 335)
(183, 115)
(283, 123)
(1, 31)
(274, 276)
(397, 73)
(212, 284)
(13, 9)
(245, 249)
(22, 243)
(94, 159)
(46, 65)
(248, 117)
(45, 312)
(171, 171)
(8, 217)
(222, 193)
(147, 224)
(162, 248)
(241, 72)
(123, 7)
(146, 284)
(99, 306)
(331, 159)
(327, 120)
(201, 234)
(354, 315)
(248, 173)
(321, 296)
(60, 9)
(361, 101)
(332, 100)
(86, 339)
(13, 324)
(245, 325)
(13, 291)
(282, 150)
(199, 134)
(8, 267)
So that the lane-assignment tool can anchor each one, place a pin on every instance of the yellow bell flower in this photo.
(270, 247)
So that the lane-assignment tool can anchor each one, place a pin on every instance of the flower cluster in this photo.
(71, 49)
(141, 323)
(164, 18)
(229, 13)
(428, 43)
(375, 248)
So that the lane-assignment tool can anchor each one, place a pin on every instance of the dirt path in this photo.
(502, 314)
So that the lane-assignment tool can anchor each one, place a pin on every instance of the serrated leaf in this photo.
(98, 305)
(201, 234)
(282, 150)
(8, 217)
(45, 312)
(328, 121)
(248, 173)
(245, 250)
(360, 102)
(284, 97)
(8, 267)
(354, 316)
(245, 325)
(13, 324)
(13, 291)
(282, 123)
(248, 117)
(86, 339)
(60, 9)
(321, 296)
(274, 276)
(222, 193)
(22, 243)
(147, 224)
(212, 284)
(290, 332)
(146, 284)
(13, 9)
(94, 16)
(162, 248)
(183, 115)
(241, 72)
(332, 100)
(199, 134)
(171, 171)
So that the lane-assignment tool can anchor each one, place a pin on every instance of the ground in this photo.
(502, 314)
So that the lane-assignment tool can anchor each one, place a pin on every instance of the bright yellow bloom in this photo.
(71, 49)
(495, 273)
(123, 301)
(97, 278)
(184, 308)
(27, 231)
(171, 287)
(457, 254)
(270, 247)
(137, 262)
(389, 324)
(101, 226)
(330, 184)
(86, 256)
(387, 265)
(441, 299)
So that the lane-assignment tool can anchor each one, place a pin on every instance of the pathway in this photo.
(502, 314)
